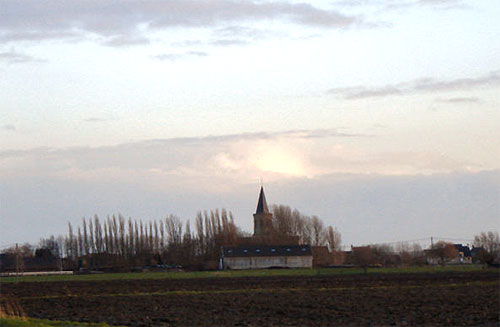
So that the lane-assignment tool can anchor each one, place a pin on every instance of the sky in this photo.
(381, 117)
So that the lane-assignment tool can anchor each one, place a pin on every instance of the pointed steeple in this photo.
(262, 204)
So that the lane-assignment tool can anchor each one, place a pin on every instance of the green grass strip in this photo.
(243, 273)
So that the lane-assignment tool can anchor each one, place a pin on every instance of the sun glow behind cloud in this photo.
(279, 161)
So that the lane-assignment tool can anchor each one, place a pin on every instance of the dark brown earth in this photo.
(439, 299)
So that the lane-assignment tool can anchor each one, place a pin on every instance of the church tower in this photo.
(262, 218)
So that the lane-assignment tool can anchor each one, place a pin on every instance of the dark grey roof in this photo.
(262, 204)
(464, 249)
(267, 251)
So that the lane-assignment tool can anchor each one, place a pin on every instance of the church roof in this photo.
(267, 251)
(262, 204)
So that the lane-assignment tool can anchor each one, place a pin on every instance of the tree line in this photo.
(310, 229)
(117, 243)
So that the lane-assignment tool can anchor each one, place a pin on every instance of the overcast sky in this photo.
(382, 117)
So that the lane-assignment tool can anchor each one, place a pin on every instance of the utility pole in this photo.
(432, 242)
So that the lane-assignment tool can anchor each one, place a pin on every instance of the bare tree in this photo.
(333, 239)
(121, 231)
(173, 226)
(91, 237)
(317, 231)
(443, 251)
(116, 240)
(98, 235)
(383, 254)
(156, 239)
(283, 221)
(106, 237)
(306, 230)
(490, 242)
(71, 251)
(162, 235)
(85, 237)
(200, 233)
(80, 246)
(151, 238)
(131, 247)
(111, 241)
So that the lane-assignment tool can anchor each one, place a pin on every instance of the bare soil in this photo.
(438, 299)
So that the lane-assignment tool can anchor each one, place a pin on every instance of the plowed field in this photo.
(439, 299)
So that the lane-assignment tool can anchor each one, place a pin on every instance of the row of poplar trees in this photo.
(119, 243)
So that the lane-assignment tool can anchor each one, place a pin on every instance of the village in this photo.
(273, 245)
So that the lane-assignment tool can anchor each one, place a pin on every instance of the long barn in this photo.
(260, 257)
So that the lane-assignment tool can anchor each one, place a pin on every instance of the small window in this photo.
(303, 249)
(273, 250)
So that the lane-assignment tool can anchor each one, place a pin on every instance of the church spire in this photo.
(262, 204)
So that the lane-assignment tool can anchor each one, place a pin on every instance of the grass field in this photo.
(242, 273)
(31, 322)
(426, 296)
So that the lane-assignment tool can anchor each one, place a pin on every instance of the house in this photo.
(464, 254)
(263, 249)
(448, 253)
(322, 257)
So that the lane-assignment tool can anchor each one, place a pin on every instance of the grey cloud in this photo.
(425, 85)
(177, 56)
(172, 142)
(8, 127)
(125, 40)
(460, 100)
(201, 13)
(221, 42)
(36, 20)
(401, 4)
(359, 92)
(228, 36)
(309, 15)
(228, 42)
(215, 140)
(457, 84)
(9, 36)
(12, 57)
(239, 34)
(299, 133)
(95, 120)
(243, 31)
(322, 133)
(442, 4)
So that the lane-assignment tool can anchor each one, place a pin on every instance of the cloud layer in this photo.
(423, 85)
(398, 4)
(217, 163)
(13, 57)
(124, 23)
